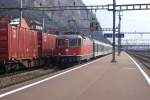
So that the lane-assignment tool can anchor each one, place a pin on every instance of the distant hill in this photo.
(61, 20)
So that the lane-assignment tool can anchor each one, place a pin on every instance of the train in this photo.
(75, 47)
(22, 47)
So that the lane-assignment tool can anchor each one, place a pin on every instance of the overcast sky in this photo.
(132, 21)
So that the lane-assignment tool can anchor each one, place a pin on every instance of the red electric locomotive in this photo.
(73, 48)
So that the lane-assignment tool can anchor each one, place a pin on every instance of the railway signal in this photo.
(94, 25)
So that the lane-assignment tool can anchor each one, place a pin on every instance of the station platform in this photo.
(97, 80)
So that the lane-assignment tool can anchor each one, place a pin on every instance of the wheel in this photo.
(7, 68)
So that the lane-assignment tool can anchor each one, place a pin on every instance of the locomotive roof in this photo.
(80, 36)
(68, 36)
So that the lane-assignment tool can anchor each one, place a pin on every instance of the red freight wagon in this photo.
(51, 44)
(46, 44)
(17, 44)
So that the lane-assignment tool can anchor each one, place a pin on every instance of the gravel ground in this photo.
(22, 76)
(14, 78)
(144, 65)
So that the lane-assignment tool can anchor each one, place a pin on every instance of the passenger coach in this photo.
(100, 48)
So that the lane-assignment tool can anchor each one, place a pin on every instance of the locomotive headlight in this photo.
(67, 50)
(74, 53)
(59, 53)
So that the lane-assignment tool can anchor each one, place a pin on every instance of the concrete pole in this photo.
(114, 30)
(43, 20)
(119, 38)
(21, 13)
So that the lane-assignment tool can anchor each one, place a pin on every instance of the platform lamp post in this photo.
(21, 13)
(114, 30)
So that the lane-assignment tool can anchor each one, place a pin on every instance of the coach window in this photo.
(102, 48)
(79, 42)
(60, 43)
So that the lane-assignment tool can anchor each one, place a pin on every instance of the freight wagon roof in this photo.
(15, 21)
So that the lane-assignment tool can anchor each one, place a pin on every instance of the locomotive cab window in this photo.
(60, 43)
(74, 43)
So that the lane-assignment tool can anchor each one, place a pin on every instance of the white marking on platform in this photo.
(46, 79)
(141, 70)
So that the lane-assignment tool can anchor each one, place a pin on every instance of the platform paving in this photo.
(101, 80)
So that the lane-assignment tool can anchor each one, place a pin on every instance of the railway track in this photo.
(16, 77)
(9, 79)
(142, 58)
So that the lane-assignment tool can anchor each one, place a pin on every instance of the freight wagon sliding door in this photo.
(13, 42)
(39, 36)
